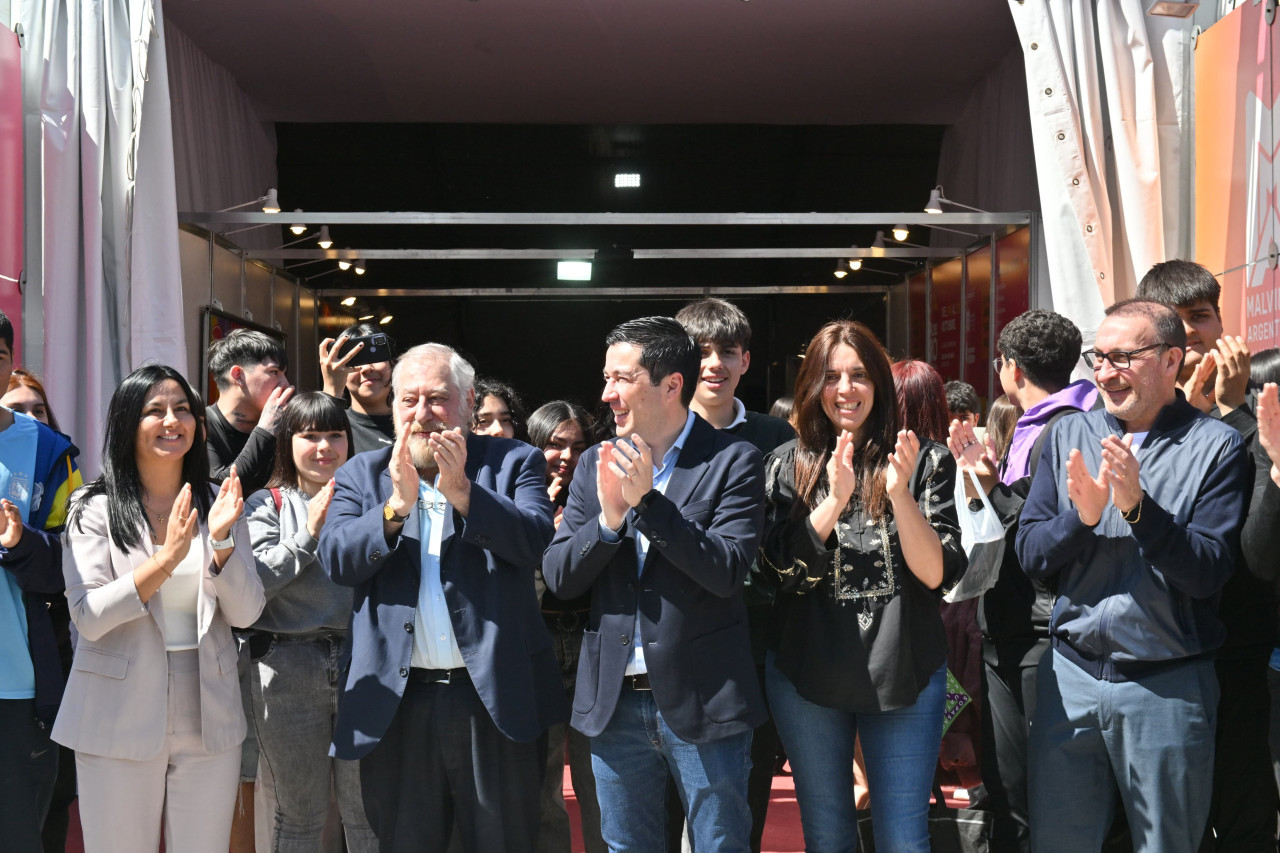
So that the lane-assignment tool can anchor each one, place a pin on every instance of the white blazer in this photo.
(116, 700)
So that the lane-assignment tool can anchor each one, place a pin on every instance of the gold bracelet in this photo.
(161, 567)
(1138, 508)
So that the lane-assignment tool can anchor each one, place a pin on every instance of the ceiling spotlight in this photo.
(937, 198)
(349, 301)
(365, 317)
(840, 271)
(344, 264)
(270, 203)
(360, 267)
(855, 264)
(297, 228)
(626, 180)
(385, 320)
(325, 240)
(878, 242)
(901, 232)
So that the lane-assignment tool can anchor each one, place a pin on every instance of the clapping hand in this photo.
(10, 525)
(318, 509)
(1090, 494)
(227, 506)
(1232, 384)
(840, 474)
(1269, 426)
(902, 464)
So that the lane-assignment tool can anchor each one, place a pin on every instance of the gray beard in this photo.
(422, 453)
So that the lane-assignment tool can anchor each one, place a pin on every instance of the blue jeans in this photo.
(900, 748)
(295, 703)
(631, 758)
(1151, 738)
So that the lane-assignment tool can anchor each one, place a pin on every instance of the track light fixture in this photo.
(937, 199)
(855, 264)
(840, 271)
(901, 232)
(270, 203)
(325, 241)
(348, 302)
(297, 228)
(360, 267)
(344, 264)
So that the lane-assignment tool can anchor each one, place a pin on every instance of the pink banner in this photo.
(11, 181)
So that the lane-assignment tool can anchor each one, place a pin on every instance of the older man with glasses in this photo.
(1134, 513)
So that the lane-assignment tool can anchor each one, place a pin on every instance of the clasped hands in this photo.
(449, 451)
(624, 475)
(1117, 480)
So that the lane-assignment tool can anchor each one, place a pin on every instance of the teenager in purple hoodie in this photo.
(1037, 352)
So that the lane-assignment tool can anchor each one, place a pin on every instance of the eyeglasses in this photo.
(998, 363)
(438, 503)
(1119, 359)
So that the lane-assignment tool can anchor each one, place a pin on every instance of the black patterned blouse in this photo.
(855, 630)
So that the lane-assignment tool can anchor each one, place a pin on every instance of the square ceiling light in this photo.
(626, 180)
(573, 270)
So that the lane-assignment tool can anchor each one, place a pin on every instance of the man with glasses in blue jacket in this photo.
(1134, 514)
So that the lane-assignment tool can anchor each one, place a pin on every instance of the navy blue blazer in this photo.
(487, 569)
(703, 533)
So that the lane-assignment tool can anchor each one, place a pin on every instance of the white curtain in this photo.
(1109, 93)
(100, 161)
(224, 152)
(986, 160)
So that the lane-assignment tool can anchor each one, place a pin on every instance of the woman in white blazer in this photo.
(158, 568)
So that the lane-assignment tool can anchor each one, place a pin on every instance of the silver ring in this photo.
(970, 443)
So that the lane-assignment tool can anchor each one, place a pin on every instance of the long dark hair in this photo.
(310, 411)
(120, 481)
(922, 399)
(816, 436)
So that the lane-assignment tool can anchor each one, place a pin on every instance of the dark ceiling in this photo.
(544, 168)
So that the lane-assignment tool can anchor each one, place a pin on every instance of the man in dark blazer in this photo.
(452, 677)
(661, 527)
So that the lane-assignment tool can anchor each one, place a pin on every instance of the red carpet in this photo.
(781, 831)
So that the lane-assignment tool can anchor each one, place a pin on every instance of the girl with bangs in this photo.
(300, 641)
(860, 539)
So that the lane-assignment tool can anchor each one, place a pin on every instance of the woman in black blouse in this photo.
(862, 536)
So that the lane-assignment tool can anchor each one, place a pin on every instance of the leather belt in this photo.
(566, 620)
(639, 681)
(436, 676)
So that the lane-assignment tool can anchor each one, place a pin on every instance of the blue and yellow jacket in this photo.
(36, 562)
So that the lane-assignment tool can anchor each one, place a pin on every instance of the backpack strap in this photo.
(278, 498)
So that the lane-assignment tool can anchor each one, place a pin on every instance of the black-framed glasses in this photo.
(1119, 358)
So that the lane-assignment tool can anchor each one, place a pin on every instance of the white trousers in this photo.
(123, 802)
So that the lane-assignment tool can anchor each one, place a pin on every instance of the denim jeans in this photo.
(631, 758)
(295, 702)
(1151, 738)
(555, 835)
(900, 748)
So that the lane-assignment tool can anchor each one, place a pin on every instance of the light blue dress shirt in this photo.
(434, 645)
(661, 476)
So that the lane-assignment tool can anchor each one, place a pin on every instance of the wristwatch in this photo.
(222, 544)
(390, 515)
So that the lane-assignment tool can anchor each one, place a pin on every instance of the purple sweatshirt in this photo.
(1080, 394)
